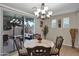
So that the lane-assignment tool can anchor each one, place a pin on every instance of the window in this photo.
(54, 23)
(66, 22)
(29, 25)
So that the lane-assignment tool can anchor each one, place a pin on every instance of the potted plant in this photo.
(45, 31)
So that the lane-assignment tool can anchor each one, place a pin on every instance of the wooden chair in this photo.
(29, 51)
(39, 51)
(57, 46)
(21, 51)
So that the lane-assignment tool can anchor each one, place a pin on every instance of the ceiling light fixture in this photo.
(43, 13)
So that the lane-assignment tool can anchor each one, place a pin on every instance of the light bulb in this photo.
(50, 12)
(36, 13)
(48, 15)
(38, 10)
(43, 11)
(45, 8)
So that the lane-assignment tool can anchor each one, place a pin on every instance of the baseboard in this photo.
(77, 46)
(71, 45)
(67, 44)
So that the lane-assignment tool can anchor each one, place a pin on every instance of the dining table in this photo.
(34, 42)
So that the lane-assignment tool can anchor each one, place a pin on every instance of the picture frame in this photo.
(41, 23)
(59, 23)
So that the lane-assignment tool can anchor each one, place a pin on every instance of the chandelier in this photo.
(43, 13)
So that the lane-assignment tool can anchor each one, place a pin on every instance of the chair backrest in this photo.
(40, 51)
(29, 51)
(18, 44)
(59, 42)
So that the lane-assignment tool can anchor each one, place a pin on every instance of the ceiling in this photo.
(57, 8)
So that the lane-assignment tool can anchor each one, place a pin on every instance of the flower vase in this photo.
(73, 33)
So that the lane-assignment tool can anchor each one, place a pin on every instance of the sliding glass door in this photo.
(15, 25)
(12, 26)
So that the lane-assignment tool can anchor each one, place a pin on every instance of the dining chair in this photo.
(29, 51)
(21, 51)
(58, 45)
(39, 51)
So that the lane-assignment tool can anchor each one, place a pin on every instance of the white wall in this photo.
(1, 31)
(78, 33)
(53, 33)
